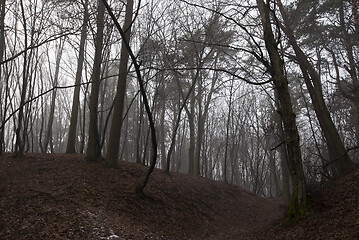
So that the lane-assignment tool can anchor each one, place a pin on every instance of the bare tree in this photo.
(20, 140)
(352, 68)
(116, 125)
(93, 152)
(55, 80)
(72, 136)
(298, 202)
(338, 155)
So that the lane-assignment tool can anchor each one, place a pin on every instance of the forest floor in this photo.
(60, 196)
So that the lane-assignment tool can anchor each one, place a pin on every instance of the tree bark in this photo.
(283, 153)
(116, 124)
(93, 152)
(71, 141)
(299, 196)
(2, 49)
(339, 159)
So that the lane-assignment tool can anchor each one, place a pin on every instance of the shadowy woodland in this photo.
(60, 196)
(260, 95)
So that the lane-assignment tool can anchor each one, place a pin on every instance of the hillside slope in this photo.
(58, 196)
(333, 214)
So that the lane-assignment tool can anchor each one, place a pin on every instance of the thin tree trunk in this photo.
(93, 152)
(200, 129)
(227, 134)
(162, 127)
(72, 138)
(125, 149)
(178, 120)
(83, 128)
(2, 49)
(116, 124)
(20, 144)
(192, 142)
(53, 99)
(139, 131)
(202, 118)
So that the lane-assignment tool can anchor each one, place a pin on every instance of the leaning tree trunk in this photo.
(299, 196)
(93, 152)
(140, 187)
(339, 159)
(116, 125)
(71, 141)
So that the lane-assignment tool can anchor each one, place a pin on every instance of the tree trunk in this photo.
(116, 124)
(227, 134)
(2, 49)
(162, 131)
(192, 143)
(202, 116)
(283, 153)
(339, 159)
(55, 79)
(71, 141)
(20, 144)
(139, 131)
(352, 69)
(83, 126)
(299, 196)
(270, 140)
(93, 152)
(200, 130)
(178, 117)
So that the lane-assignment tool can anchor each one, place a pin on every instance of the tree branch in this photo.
(50, 39)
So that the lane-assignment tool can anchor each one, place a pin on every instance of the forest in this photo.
(258, 94)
